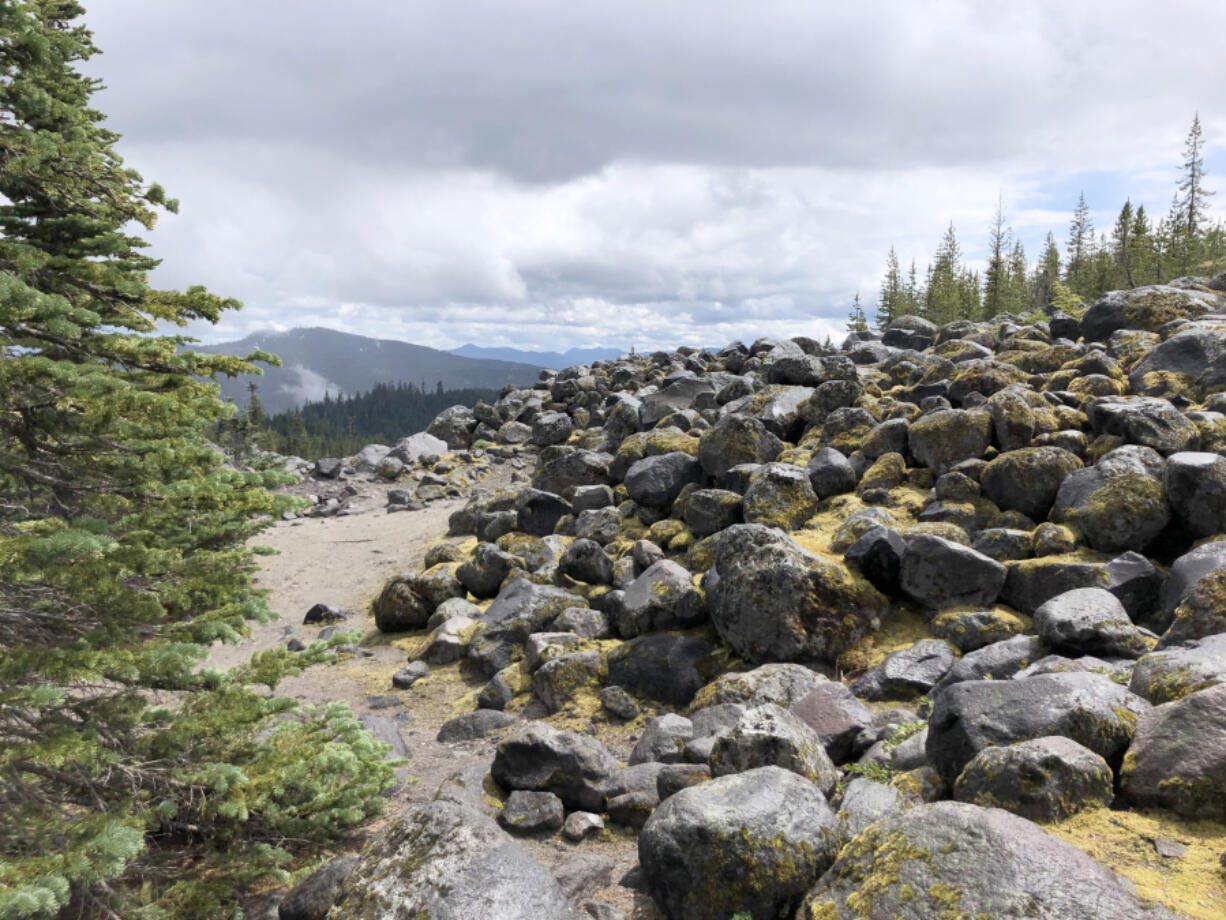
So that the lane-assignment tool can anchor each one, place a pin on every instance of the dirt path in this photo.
(345, 561)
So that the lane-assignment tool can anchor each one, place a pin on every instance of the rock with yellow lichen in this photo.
(1118, 503)
(1147, 308)
(1091, 709)
(957, 861)
(1171, 674)
(1043, 779)
(752, 843)
(942, 439)
(770, 600)
(779, 495)
(1178, 757)
(444, 860)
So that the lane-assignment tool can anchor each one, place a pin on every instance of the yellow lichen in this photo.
(1192, 884)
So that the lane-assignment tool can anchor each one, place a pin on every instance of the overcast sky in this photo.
(550, 173)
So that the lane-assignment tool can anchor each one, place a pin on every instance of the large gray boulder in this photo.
(907, 673)
(485, 572)
(831, 473)
(940, 440)
(418, 447)
(1028, 479)
(940, 573)
(569, 469)
(952, 859)
(709, 511)
(576, 768)
(771, 600)
(1043, 779)
(446, 861)
(865, 802)
(769, 735)
(586, 561)
(1147, 308)
(1091, 621)
(972, 715)
(733, 440)
(1147, 421)
(521, 608)
(656, 481)
(1119, 503)
(777, 406)
(1190, 352)
(313, 897)
(1178, 757)
(408, 601)
(781, 683)
(1173, 673)
(996, 661)
(455, 426)
(1196, 490)
(663, 597)
(751, 843)
(779, 495)
(663, 666)
(551, 428)
(1193, 599)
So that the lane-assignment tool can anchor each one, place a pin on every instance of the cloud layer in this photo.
(558, 174)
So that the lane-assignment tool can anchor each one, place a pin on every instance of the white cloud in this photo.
(552, 174)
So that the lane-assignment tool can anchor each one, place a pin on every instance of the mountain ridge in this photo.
(318, 361)
(555, 360)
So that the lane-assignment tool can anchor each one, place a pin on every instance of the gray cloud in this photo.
(559, 173)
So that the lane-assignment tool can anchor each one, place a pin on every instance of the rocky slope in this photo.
(933, 626)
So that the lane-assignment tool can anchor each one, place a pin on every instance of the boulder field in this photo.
(929, 625)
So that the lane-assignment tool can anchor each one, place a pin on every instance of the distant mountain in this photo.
(551, 359)
(318, 361)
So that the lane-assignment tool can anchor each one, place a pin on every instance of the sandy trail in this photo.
(345, 561)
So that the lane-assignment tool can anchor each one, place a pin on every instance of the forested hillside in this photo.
(339, 427)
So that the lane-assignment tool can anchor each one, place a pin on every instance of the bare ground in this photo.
(344, 561)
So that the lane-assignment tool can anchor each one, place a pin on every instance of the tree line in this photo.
(1135, 252)
(341, 426)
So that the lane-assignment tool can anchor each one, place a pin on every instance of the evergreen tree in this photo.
(1122, 247)
(944, 300)
(913, 294)
(1079, 248)
(995, 281)
(970, 295)
(1142, 255)
(122, 549)
(856, 320)
(1016, 292)
(1190, 205)
(891, 301)
(1047, 273)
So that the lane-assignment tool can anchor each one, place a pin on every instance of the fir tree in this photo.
(913, 295)
(995, 282)
(944, 300)
(891, 302)
(1122, 246)
(1142, 256)
(122, 549)
(856, 320)
(1047, 273)
(1079, 247)
(1189, 209)
(1016, 290)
